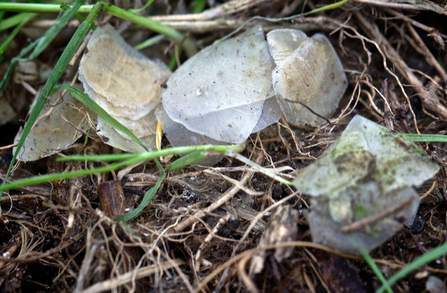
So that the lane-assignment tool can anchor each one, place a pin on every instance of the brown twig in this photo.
(223, 199)
(429, 101)
(437, 36)
(427, 54)
(208, 238)
(417, 6)
(365, 222)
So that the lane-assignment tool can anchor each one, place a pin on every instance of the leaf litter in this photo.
(229, 205)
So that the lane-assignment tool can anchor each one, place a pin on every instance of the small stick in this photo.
(225, 198)
(401, 6)
(208, 238)
(429, 101)
(315, 113)
(80, 50)
(427, 54)
(365, 222)
(428, 191)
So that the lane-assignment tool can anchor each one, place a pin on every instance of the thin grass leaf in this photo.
(4, 45)
(141, 9)
(92, 105)
(376, 270)
(416, 264)
(173, 63)
(147, 196)
(425, 137)
(186, 160)
(98, 158)
(149, 42)
(327, 7)
(42, 42)
(130, 159)
(54, 30)
(13, 63)
(77, 15)
(289, 18)
(61, 64)
(61, 176)
(12, 21)
(41, 8)
(222, 149)
(179, 38)
(198, 5)
(2, 13)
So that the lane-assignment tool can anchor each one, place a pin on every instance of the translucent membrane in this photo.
(308, 70)
(221, 95)
(58, 130)
(365, 172)
(126, 84)
(220, 92)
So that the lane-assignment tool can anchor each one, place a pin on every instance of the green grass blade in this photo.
(61, 64)
(149, 42)
(92, 105)
(44, 41)
(376, 271)
(13, 63)
(147, 196)
(425, 137)
(4, 45)
(54, 30)
(198, 5)
(327, 7)
(186, 160)
(416, 264)
(179, 38)
(40, 8)
(2, 13)
(130, 159)
(173, 62)
(289, 18)
(12, 21)
(141, 9)
(222, 149)
(77, 15)
(98, 158)
(68, 175)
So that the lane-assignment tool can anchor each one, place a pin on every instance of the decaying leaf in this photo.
(362, 186)
(126, 84)
(309, 71)
(53, 133)
(221, 91)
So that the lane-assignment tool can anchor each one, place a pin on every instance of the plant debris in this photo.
(367, 172)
